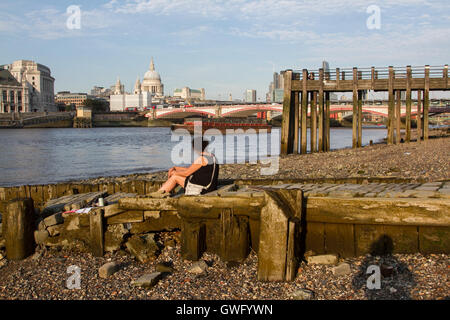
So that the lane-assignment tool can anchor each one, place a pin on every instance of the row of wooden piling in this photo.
(313, 92)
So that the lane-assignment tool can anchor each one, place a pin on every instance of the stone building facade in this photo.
(14, 96)
(39, 81)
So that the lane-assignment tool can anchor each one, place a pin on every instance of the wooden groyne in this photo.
(278, 221)
(312, 88)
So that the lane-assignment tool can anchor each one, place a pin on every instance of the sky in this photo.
(222, 46)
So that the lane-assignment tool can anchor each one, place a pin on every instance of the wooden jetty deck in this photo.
(303, 88)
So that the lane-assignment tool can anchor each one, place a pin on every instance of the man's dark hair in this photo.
(198, 143)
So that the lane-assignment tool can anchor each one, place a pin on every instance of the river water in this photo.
(41, 156)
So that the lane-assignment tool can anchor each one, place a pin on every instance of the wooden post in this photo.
(304, 112)
(327, 120)
(18, 228)
(355, 109)
(426, 102)
(360, 94)
(235, 244)
(419, 115)
(397, 116)
(313, 123)
(193, 239)
(408, 104)
(97, 232)
(373, 78)
(286, 124)
(321, 111)
(338, 76)
(446, 75)
(296, 121)
(391, 107)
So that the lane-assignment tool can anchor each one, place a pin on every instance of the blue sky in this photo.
(223, 46)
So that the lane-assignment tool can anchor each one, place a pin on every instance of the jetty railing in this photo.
(303, 88)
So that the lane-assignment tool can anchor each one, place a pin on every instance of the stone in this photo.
(114, 237)
(303, 294)
(2, 244)
(54, 219)
(386, 271)
(164, 268)
(54, 230)
(323, 259)
(108, 269)
(198, 267)
(1, 256)
(36, 256)
(147, 280)
(341, 269)
(143, 247)
(40, 236)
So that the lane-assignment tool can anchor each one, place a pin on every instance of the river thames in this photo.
(41, 156)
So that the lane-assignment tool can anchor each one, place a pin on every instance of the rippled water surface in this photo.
(38, 156)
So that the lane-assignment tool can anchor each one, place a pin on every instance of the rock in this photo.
(386, 271)
(143, 247)
(1, 256)
(36, 256)
(41, 225)
(147, 280)
(114, 237)
(108, 269)
(164, 268)
(392, 290)
(54, 219)
(198, 267)
(2, 244)
(40, 236)
(303, 294)
(323, 259)
(341, 269)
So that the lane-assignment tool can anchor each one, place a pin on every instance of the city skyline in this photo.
(224, 47)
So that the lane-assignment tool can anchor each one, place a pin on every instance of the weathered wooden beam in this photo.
(390, 122)
(360, 102)
(147, 204)
(338, 76)
(408, 103)
(193, 239)
(97, 232)
(355, 109)
(419, 115)
(304, 113)
(445, 75)
(373, 77)
(286, 139)
(313, 121)
(397, 116)
(277, 260)
(426, 102)
(235, 236)
(327, 120)
(384, 211)
(296, 121)
(18, 228)
(321, 112)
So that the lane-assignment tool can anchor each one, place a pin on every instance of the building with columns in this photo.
(150, 89)
(14, 96)
(39, 81)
